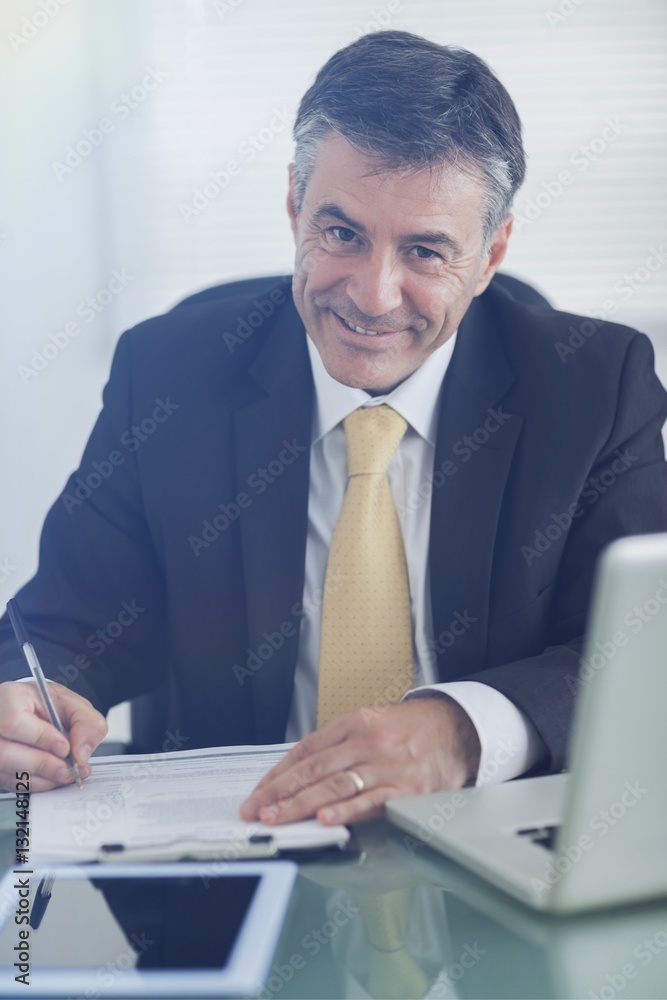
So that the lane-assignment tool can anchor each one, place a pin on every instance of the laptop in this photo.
(596, 836)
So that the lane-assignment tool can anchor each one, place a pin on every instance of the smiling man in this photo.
(366, 526)
(387, 262)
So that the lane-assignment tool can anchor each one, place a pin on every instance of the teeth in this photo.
(359, 329)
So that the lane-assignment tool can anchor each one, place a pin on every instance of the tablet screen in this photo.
(174, 929)
(111, 924)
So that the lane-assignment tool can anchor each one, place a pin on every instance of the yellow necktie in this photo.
(366, 648)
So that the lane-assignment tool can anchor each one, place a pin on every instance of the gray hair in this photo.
(413, 104)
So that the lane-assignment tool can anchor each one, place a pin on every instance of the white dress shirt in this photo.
(509, 743)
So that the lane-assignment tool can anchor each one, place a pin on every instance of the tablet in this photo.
(186, 929)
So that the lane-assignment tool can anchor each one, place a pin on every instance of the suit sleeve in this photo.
(544, 687)
(96, 606)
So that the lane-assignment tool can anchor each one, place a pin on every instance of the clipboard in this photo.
(168, 807)
(259, 846)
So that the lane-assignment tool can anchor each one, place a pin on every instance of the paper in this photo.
(165, 804)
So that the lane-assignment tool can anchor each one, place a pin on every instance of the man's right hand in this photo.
(29, 742)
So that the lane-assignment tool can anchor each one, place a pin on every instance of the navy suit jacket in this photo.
(175, 554)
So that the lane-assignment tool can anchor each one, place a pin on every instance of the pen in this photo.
(27, 647)
(41, 901)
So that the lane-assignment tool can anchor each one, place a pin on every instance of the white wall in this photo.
(227, 73)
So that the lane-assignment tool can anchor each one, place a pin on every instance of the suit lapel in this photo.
(273, 438)
(476, 441)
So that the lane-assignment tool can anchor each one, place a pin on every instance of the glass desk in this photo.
(399, 920)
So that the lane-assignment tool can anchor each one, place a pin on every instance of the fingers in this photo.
(410, 749)
(359, 809)
(304, 766)
(328, 736)
(86, 726)
(333, 799)
(29, 742)
(285, 806)
(23, 719)
(44, 769)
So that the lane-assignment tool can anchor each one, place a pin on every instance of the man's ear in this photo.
(495, 254)
(291, 199)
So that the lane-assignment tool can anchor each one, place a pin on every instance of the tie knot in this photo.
(373, 434)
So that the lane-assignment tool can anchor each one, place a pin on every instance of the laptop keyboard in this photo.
(545, 836)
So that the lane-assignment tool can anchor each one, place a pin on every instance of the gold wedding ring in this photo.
(358, 781)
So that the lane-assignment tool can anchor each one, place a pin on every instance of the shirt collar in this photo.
(416, 399)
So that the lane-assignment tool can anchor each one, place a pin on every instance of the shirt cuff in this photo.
(509, 742)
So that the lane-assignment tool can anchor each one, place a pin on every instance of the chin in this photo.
(364, 376)
(360, 368)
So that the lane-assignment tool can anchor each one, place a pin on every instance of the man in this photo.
(488, 464)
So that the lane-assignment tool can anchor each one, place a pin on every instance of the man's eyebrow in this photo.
(333, 211)
(431, 237)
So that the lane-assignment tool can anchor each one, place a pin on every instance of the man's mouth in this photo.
(362, 330)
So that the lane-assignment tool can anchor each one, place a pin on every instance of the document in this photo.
(167, 805)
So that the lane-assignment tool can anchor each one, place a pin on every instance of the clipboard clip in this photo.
(257, 846)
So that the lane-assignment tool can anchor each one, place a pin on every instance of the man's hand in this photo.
(422, 745)
(29, 742)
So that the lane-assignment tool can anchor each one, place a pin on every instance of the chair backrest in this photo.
(150, 721)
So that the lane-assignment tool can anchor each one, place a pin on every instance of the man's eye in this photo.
(424, 253)
(342, 233)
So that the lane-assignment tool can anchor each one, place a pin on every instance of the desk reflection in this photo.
(606, 954)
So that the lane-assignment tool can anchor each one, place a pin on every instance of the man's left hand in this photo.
(418, 746)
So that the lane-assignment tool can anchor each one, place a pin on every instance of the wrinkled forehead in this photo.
(369, 192)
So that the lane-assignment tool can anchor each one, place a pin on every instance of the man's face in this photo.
(398, 253)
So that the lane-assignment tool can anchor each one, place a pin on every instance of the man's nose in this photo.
(375, 286)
